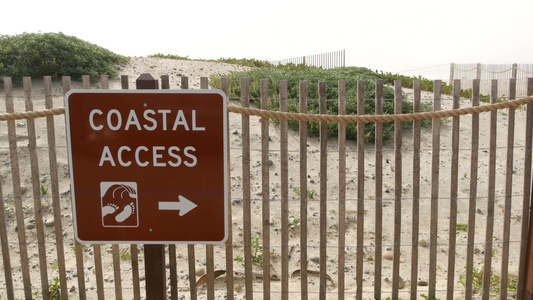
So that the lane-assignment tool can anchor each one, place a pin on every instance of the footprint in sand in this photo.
(125, 213)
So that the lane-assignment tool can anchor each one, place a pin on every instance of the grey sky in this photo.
(393, 36)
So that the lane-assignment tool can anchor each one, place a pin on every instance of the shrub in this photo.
(247, 62)
(170, 56)
(56, 55)
(425, 84)
(295, 73)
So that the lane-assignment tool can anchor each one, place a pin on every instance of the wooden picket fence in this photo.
(487, 72)
(309, 217)
(327, 60)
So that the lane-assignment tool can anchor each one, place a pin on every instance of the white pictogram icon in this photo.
(184, 205)
(119, 204)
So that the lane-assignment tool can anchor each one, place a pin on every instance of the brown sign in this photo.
(148, 166)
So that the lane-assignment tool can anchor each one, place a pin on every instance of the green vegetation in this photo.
(257, 252)
(44, 190)
(461, 227)
(170, 56)
(125, 256)
(295, 73)
(294, 222)
(310, 193)
(425, 84)
(26, 208)
(8, 209)
(512, 282)
(55, 291)
(56, 55)
(247, 62)
(477, 280)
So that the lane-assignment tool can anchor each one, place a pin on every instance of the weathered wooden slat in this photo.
(165, 85)
(210, 271)
(487, 264)
(224, 86)
(184, 82)
(323, 190)
(134, 252)
(115, 250)
(54, 188)
(415, 229)
(508, 192)
(17, 194)
(191, 256)
(173, 272)
(86, 82)
(360, 188)
(97, 253)
(454, 182)
(209, 249)
(397, 190)
(124, 83)
(36, 188)
(303, 187)
(246, 189)
(135, 271)
(165, 82)
(67, 85)
(341, 265)
(97, 249)
(474, 156)
(435, 161)
(104, 82)
(265, 193)
(6, 258)
(523, 266)
(284, 180)
(379, 192)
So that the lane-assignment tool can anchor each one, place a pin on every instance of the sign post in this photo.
(154, 254)
(148, 166)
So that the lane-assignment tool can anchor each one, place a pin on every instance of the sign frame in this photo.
(70, 103)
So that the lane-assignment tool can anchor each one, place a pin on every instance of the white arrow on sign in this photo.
(184, 205)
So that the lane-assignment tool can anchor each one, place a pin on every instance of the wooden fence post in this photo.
(528, 281)
(528, 287)
(514, 70)
(452, 73)
(154, 255)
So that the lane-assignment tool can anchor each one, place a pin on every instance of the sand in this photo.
(194, 70)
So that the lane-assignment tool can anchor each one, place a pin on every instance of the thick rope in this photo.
(320, 118)
(380, 118)
(32, 114)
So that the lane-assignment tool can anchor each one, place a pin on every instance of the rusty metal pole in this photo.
(154, 255)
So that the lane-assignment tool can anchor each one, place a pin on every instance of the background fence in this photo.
(487, 72)
(328, 60)
(426, 214)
